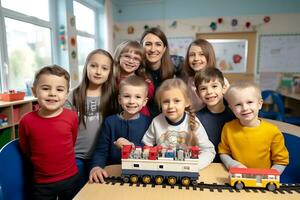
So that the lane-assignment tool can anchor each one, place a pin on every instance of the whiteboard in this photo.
(279, 53)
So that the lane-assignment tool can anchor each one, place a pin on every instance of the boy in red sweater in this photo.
(47, 137)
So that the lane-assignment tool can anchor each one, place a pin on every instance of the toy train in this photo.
(159, 164)
(181, 165)
(250, 177)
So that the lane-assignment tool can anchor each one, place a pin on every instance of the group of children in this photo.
(135, 99)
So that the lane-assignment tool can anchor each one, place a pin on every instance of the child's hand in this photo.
(97, 175)
(241, 166)
(121, 142)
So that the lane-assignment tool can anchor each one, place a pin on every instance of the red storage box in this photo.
(12, 96)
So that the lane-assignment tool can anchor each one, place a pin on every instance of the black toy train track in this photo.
(284, 188)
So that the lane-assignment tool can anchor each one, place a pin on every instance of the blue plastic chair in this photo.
(15, 183)
(291, 173)
(278, 114)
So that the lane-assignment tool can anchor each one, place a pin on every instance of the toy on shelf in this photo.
(12, 95)
(159, 164)
(251, 177)
(3, 120)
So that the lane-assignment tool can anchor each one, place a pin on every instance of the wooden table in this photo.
(292, 101)
(214, 173)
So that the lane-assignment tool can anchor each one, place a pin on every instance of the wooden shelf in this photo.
(14, 110)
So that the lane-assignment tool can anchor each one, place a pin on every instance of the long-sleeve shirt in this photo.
(254, 147)
(49, 144)
(114, 127)
(167, 134)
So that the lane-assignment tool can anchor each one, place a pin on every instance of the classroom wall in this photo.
(179, 18)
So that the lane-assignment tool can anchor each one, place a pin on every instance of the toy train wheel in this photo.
(126, 179)
(239, 185)
(159, 180)
(194, 182)
(185, 181)
(172, 180)
(146, 179)
(271, 186)
(134, 179)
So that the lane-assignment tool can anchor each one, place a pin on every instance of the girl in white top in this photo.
(177, 126)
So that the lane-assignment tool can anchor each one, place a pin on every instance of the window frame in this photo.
(8, 13)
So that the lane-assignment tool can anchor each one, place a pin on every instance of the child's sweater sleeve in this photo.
(149, 137)
(207, 150)
(279, 152)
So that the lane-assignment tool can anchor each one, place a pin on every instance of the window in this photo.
(27, 40)
(85, 18)
(29, 48)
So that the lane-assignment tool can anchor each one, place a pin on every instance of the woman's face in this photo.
(154, 49)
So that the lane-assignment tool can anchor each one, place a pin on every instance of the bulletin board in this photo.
(244, 71)
(231, 54)
(279, 53)
(178, 45)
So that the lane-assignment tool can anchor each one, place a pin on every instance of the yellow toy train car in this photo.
(251, 177)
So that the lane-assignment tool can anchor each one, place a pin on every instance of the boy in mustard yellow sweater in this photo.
(249, 141)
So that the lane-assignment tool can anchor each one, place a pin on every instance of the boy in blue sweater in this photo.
(210, 87)
(125, 128)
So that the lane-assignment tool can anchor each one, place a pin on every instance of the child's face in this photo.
(98, 69)
(51, 91)
(173, 104)
(245, 104)
(154, 48)
(211, 93)
(197, 60)
(132, 99)
(129, 62)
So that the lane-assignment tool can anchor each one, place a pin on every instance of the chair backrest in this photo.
(14, 178)
(276, 98)
(291, 173)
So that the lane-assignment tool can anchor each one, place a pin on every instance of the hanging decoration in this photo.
(267, 19)
(174, 24)
(146, 27)
(213, 26)
(248, 24)
(130, 30)
(220, 20)
(73, 41)
(236, 58)
(234, 22)
(62, 37)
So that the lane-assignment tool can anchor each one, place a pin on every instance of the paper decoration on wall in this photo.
(62, 37)
(267, 19)
(234, 22)
(116, 28)
(236, 58)
(213, 26)
(130, 30)
(146, 27)
(74, 54)
(220, 20)
(72, 21)
(248, 24)
(73, 41)
(174, 24)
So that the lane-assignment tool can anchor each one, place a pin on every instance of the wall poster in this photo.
(231, 54)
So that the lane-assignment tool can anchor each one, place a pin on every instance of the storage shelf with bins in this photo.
(14, 110)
